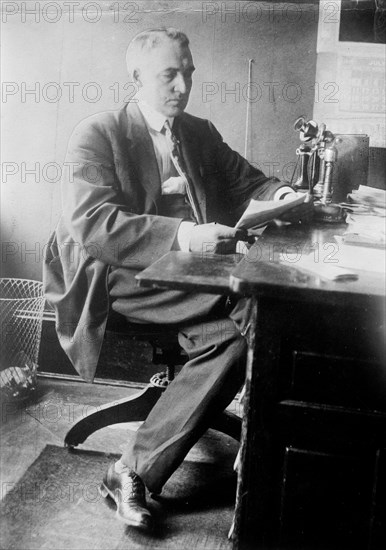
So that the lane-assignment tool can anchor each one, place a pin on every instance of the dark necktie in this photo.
(179, 164)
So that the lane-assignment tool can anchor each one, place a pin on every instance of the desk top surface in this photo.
(260, 273)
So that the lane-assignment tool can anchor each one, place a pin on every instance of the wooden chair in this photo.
(166, 351)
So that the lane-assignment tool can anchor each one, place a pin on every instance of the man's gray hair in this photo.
(148, 40)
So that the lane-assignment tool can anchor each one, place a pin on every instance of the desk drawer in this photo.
(340, 381)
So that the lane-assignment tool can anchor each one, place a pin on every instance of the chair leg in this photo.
(136, 409)
(133, 409)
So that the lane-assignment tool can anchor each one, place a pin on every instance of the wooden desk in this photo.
(313, 456)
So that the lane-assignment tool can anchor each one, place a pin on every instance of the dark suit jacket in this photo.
(110, 190)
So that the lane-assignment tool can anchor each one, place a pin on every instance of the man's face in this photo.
(165, 77)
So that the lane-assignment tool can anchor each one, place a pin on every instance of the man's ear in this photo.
(136, 75)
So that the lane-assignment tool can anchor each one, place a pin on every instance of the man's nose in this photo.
(180, 84)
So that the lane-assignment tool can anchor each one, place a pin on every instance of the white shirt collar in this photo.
(153, 118)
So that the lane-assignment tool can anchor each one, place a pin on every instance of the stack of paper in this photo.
(367, 218)
(365, 230)
(369, 196)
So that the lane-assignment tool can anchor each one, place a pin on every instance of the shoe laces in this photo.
(137, 486)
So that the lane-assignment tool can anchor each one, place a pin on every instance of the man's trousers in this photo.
(210, 331)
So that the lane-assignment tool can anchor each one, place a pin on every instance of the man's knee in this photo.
(219, 332)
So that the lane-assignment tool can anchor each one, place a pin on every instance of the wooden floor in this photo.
(26, 429)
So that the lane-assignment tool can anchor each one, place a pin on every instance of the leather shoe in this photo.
(128, 492)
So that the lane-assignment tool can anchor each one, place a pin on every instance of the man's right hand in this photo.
(215, 238)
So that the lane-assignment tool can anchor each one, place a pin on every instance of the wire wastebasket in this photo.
(21, 313)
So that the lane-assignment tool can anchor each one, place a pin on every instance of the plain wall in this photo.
(47, 56)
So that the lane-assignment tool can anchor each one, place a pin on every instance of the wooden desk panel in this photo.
(313, 457)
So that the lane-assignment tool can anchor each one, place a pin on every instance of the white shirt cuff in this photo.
(183, 235)
(282, 192)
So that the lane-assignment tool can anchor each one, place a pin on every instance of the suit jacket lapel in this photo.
(141, 151)
(190, 152)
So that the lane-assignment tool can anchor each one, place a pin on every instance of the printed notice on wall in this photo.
(356, 102)
(351, 62)
(362, 84)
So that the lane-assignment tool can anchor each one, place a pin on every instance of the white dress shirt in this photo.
(171, 182)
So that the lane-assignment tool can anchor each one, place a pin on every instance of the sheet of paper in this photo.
(261, 212)
(331, 272)
(364, 258)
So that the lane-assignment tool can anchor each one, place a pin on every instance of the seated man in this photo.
(142, 181)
